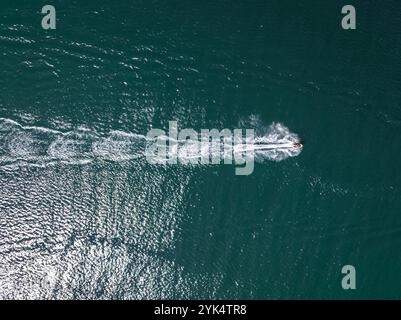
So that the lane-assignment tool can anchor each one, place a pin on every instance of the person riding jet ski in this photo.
(298, 145)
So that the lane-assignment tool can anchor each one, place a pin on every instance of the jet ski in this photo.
(298, 145)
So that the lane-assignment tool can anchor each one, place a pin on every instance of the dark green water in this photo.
(81, 216)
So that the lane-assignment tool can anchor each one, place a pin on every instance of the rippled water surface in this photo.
(84, 215)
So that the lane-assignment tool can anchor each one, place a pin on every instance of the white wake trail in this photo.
(41, 146)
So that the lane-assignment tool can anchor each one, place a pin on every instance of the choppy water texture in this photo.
(84, 215)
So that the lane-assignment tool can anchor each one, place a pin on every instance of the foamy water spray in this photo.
(38, 146)
(210, 146)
